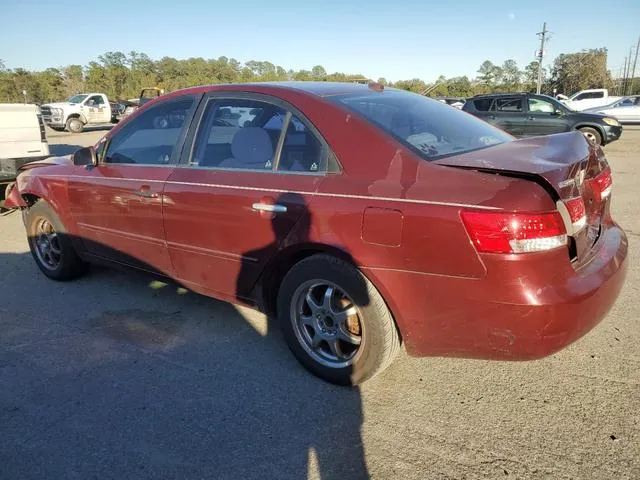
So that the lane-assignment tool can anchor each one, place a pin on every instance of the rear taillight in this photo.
(43, 135)
(602, 183)
(577, 213)
(511, 232)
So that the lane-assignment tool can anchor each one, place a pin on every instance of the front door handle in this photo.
(267, 207)
(145, 192)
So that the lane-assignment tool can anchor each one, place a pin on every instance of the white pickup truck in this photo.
(83, 109)
(93, 109)
(594, 97)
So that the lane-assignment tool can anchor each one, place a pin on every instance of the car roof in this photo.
(320, 89)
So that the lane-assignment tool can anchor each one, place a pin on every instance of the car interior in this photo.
(244, 135)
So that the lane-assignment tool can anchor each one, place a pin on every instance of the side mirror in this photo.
(85, 156)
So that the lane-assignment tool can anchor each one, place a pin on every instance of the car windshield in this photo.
(77, 98)
(429, 127)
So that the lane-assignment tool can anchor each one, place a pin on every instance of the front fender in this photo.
(13, 198)
(80, 115)
(52, 190)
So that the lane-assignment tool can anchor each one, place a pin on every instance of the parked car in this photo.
(526, 115)
(456, 102)
(360, 216)
(22, 140)
(584, 99)
(625, 110)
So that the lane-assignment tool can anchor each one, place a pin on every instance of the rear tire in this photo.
(325, 301)
(75, 125)
(592, 135)
(50, 245)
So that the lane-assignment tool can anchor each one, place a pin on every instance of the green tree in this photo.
(318, 72)
(572, 72)
(489, 75)
(510, 75)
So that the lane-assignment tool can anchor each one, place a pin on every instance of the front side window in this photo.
(246, 134)
(151, 138)
(77, 98)
(537, 105)
(509, 104)
(430, 128)
(95, 101)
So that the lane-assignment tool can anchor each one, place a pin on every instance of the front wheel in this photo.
(75, 125)
(50, 245)
(335, 321)
(592, 135)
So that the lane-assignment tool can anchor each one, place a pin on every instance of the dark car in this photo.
(527, 115)
(361, 217)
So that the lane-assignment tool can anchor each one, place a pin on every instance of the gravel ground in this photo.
(115, 376)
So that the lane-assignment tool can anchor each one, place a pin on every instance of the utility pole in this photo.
(633, 72)
(543, 39)
(624, 76)
(629, 78)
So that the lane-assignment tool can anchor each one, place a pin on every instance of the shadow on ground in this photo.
(167, 385)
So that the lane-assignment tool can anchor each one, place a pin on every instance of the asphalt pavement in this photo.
(117, 376)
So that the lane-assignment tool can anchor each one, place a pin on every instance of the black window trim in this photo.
(331, 164)
(176, 154)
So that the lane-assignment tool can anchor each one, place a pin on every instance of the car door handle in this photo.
(267, 207)
(145, 192)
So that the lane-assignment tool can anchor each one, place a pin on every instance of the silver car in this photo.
(625, 110)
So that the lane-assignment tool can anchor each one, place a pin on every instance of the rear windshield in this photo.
(430, 128)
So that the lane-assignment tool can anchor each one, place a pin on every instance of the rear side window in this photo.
(430, 128)
(483, 104)
(247, 134)
(589, 95)
(509, 104)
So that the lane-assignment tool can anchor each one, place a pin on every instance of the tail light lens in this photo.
(577, 212)
(510, 232)
(43, 135)
(602, 184)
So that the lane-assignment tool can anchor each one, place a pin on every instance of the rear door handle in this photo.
(267, 207)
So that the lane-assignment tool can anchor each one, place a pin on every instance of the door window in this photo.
(95, 101)
(483, 104)
(508, 105)
(589, 95)
(246, 134)
(537, 105)
(151, 138)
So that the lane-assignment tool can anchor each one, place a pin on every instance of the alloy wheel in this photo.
(327, 323)
(47, 245)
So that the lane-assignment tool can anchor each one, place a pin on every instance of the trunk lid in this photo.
(566, 165)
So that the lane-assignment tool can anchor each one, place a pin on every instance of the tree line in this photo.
(122, 76)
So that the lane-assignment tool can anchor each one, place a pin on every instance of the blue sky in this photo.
(396, 40)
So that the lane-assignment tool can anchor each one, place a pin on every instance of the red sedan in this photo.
(362, 217)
